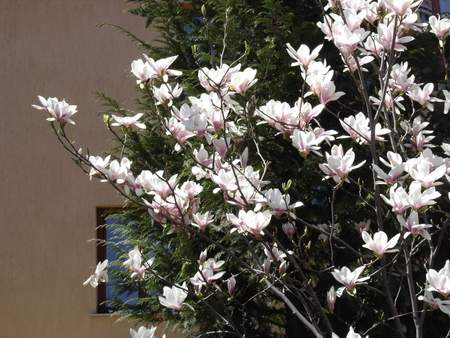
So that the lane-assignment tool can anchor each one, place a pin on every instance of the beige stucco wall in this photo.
(47, 207)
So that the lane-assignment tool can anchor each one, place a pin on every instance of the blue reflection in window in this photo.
(114, 246)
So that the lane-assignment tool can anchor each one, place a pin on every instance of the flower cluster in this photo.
(383, 154)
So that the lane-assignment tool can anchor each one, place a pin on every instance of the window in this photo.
(186, 4)
(110, 245)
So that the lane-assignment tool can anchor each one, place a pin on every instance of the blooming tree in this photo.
(373, 146)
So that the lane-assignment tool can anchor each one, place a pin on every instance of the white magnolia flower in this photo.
(143, 332)
(59, 111)
(275, 254)
(446, 148)
(413, 226)
(328, 93)
(189, 189)
(424, 172)
(391, 102)
(280, 115)
(208, 272)
(400, 79)
(386, 37)
(418, 199)
(443, 305)
(398, 199)
(135, 265)
(439, 281)
(319, 78)
(339, 165)
(420, 137)
(240, 82)
(279, 203)
(373, 46)
(350, 279)
(346, 39)
(401, 7)
(379, 244)
(250, 221)
(327, 135)
(352, 334)
(306, 142)
(446, 101)
(128, 121)
(202, 221)
(155, 184)
(352, 64)
(423, 95)
(439, 27)
(396, 165)
(218, 78)
(303, 56)
(225, 180)
(174, 297)
(142, 70)
(307, 112)
(161, 67)
(119, 171)
(436, 303)
(255, 222)
(357, 127)
(165, 94)
(100, 275)
(178, 130)
(411, 22)
(99, 165)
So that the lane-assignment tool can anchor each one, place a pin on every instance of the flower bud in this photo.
(283, 267)
(203, 10)
(203, 256)
(289, 230)
(231, 285)
(266, 265)
(362, 226)
(331, 299)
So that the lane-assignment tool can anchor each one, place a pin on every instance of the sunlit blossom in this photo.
(174, 297)
(100, 275)
(439, 281)
(379, 243)
(339, 164)
(59, 111)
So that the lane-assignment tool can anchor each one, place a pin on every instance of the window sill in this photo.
(97, 314)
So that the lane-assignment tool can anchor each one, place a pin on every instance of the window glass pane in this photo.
(445, 7)
(115, 246)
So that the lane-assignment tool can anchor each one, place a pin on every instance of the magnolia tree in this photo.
(373, 145)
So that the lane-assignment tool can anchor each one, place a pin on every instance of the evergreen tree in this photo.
(255, 32)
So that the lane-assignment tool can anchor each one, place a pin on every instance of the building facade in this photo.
(48, 206)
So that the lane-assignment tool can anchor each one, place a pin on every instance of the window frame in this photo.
(101, 213)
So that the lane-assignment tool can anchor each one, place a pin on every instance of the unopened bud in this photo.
(331, 299)
(231, 285)
(203, 9)
(266, 265)
(289, 230)
(203, 256)
(283, 267)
